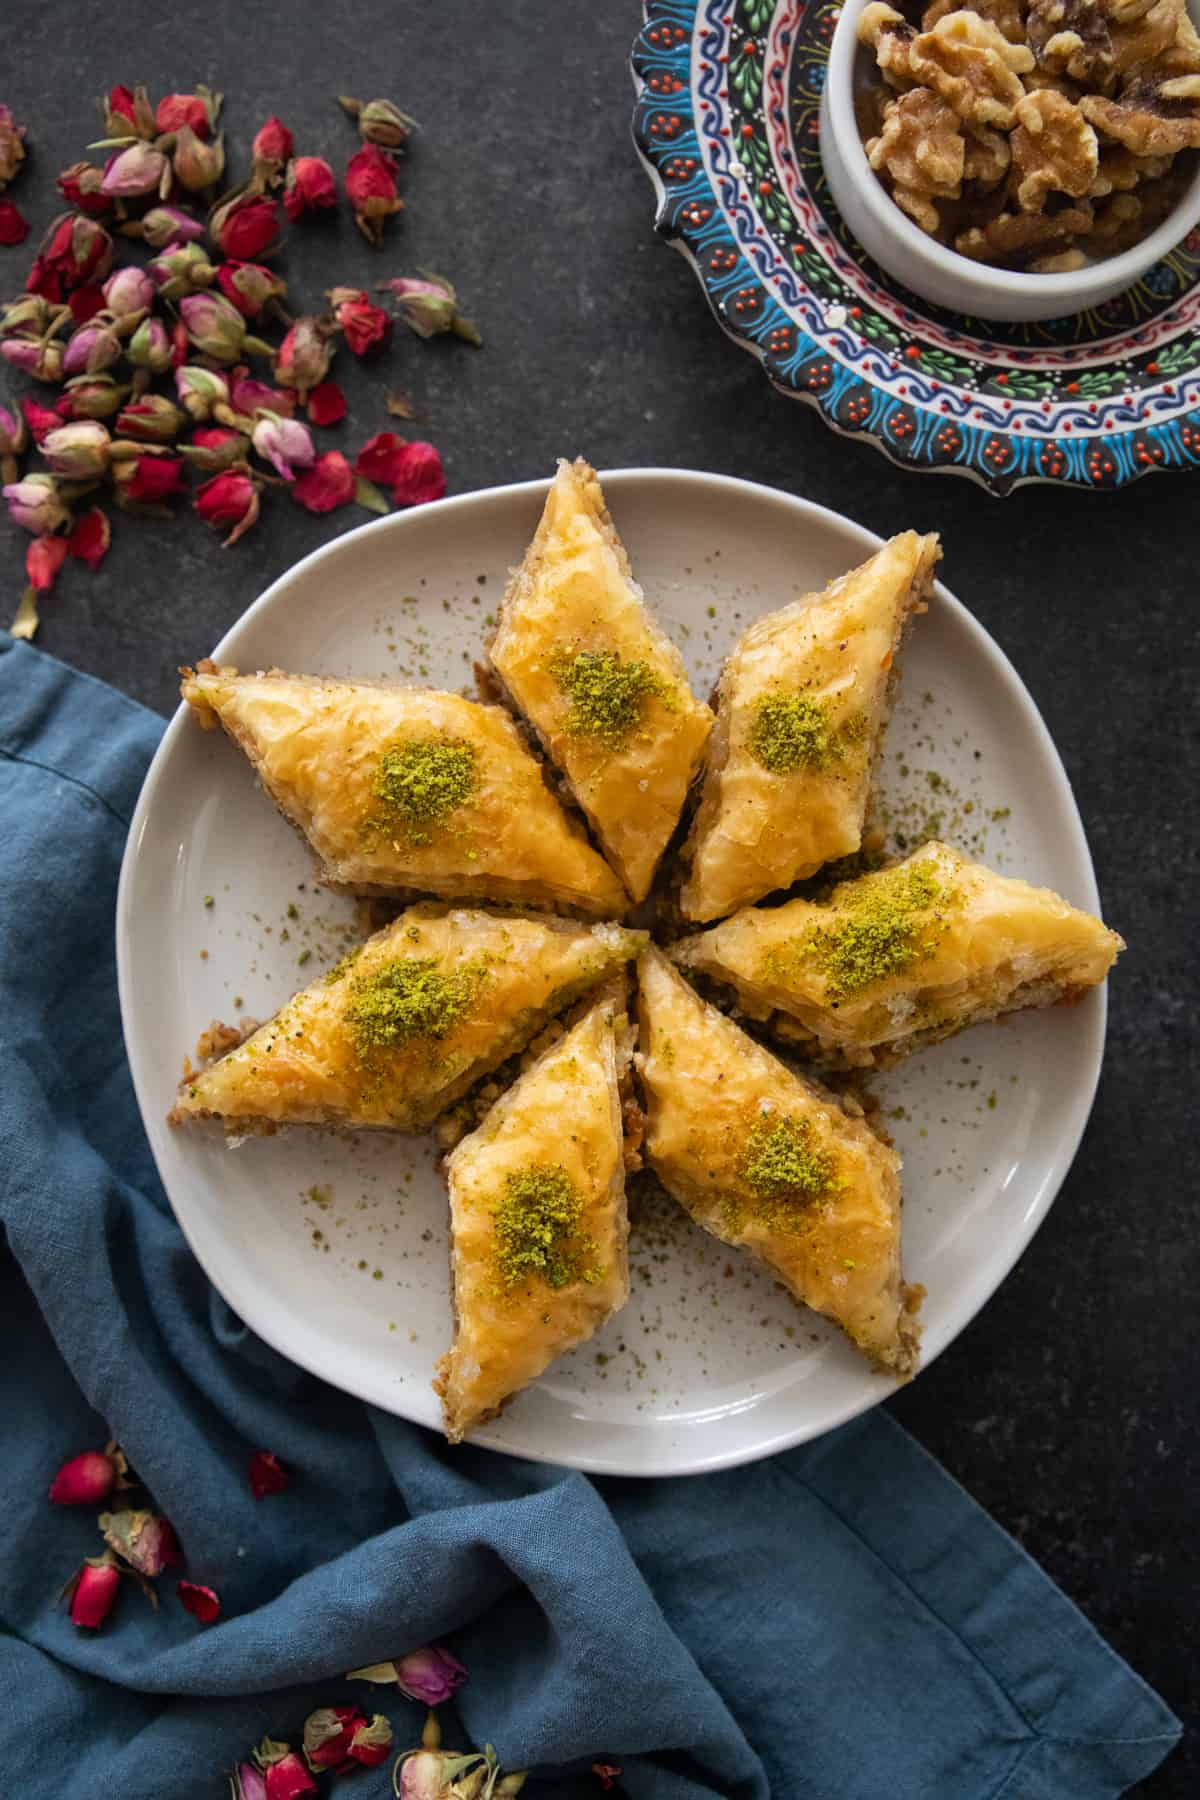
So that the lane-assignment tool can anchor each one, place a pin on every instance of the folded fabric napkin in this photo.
(841, 1621)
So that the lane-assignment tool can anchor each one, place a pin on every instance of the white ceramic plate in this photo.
(334, 1250)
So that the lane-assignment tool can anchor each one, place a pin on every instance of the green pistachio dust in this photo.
(535, 1223)
(784, 1171)
(883, 926)
(420, 783)
(409, 998)
(606, 694)
(792, 732)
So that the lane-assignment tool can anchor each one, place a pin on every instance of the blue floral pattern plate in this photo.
(726, 122)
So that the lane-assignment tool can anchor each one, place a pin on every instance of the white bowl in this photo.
(928, 268)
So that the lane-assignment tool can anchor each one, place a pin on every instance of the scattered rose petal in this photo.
(418, 476)
(379, 456)
(93, 1590)
(89, 1478)
(198, 1600)
(14, 226)
(326, 403)
(267, 1474)
(43, 559)
(399, 404)
(88, 542)
(25, 623)
(327, 485)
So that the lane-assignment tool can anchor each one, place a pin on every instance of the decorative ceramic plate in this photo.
(726, 122)
(334, 1248)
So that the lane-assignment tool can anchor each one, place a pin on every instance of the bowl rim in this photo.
(1075, 288)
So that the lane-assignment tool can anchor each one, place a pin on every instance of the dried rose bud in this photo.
(14, 226)
(272, 149)
(80, 186)
(200, 391)
(249, 397)
(244, 225)
(75, 250)
(197, 165)
(247, 1783)
(92, 397)
(44, 557)
(267, 1474)
(181, 269)
(149, 347)
(303, 358)
(93, 1591)
(40, 419)
(198, 110)
(44, 361)
(249, 286)
(138, 169)
(86, 302)
(327, 1735)
(90, 350)
(180, 344)
(164, 225)
(371, 1743)
(310, 187)
(200, 1601)
(130, 290)
(88, 543)
(128, 112)
(27, 317)
(429, 305)
(285, 1776)
(440, 1775)
(380, 121)
(215, 447)
(284, 443)
(326, 403)
(214, 327)
(12, 145)
(145, 1540)
(366, 328)
(327, 485)
(371, 179)
(228, 499)
(430, 1674)
(148, 479)
(151, 420)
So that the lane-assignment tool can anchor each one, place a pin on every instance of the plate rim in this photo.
(671, 1462)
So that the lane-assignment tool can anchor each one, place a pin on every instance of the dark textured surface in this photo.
(1069, 1407)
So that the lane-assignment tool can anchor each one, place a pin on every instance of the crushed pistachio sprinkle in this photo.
(420, 783)
(885, 926)
(410, 998)
(784, 1171)
(536, 1221)
(606, 693)
(792, 731)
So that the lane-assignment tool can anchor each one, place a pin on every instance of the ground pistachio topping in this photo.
(784, 1171)
(792, 731)
(410, 998)
(606, 693)
(536, 1221)
(890, 923)
(418, 784)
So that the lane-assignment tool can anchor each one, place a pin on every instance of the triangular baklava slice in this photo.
(802, 704)
(406, 790)
(903, 957)
(773, 1164)
(583, 660)
(403, 1026)
(538, 1222)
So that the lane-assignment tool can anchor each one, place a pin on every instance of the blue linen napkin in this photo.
(841, 1622)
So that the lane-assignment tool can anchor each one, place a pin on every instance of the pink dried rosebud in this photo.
(215, 447)
(181, 269)
(128, 112)
(248, 396)
(81, 187)
(88, 543)
(165, 225)
(249, 286)
(138, 169)
(93, 1591)
(40, 419)
(430, 1674)
(366, 328)
(200, 1601)
(380, 121)
(371, 182)
(214, 327)
(34, 503)
(328, 484)
(284, 1774)
(148, 479)
(44, 361)
(90, 350)
(14, 226)
(244, 226)
(247, 1783)
(75, 250)
(326, 403)
(151, 420)
(429, 305)
(228, 499)
(200, 391)
(197, 165)
(130, 290)
(78, 452)
(371, 1742)
(284, 443)
(327, 1735)
(145, 1540)
(43, 559)
(174, 111)
(310, 187)
(267, 1474)
(149, 347)
(303, 358)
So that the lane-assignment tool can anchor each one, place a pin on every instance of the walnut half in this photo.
(1054, 150)
(920, 149)
(972, 66)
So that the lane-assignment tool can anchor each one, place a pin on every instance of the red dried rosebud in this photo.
(366, 328)
(284, 443)
(200, 391)
(267, 1475)
(148, 479)
(418, 475)
(215, 447)
(249, 397)
(149, 347)
(302, 360)
(145, 1540)
(174, 111)
(44, 361)
(250, 286)
(79, 451)
(201, 1602)
(12, 145)
(429, 305)
(271, 149)
(371, 182)
(14, 226)
(138, 169)
(326, 403)
(75, 250)
(229, 499)
(40, 419)
(288, 1779)
(197, 165)
(164, 225)
(88, 542)
(244, 226)
(181, 269)
(310, 187)
(90, 350)
(128, 112)
(371, 1743)
(91, 397)
(216, 328)
(80, 186)
(327, 485)
(43, 559)
(35, 504)
(129, 291)
(327, 1735)
(86, 302)
(380, 121)
(93, 1591)
(180, 344)
(151, 420)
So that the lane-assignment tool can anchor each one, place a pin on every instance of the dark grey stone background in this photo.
(1069, 1408)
